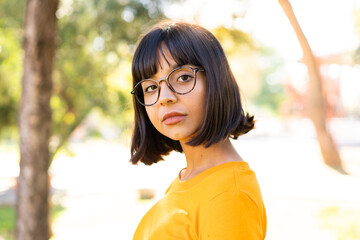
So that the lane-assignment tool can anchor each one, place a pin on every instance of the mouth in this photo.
(173, 118)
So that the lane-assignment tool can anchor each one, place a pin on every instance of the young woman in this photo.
(186, 99)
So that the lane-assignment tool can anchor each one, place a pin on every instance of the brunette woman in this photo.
(186, 99)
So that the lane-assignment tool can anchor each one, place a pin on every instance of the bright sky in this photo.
(327, 24)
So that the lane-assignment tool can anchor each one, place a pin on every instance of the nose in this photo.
(166, 95)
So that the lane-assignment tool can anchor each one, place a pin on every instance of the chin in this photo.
(182, 137)
(179, 138)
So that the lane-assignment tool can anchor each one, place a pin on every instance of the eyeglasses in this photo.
(180, 80)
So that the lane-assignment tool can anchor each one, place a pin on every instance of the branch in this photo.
(65, 137)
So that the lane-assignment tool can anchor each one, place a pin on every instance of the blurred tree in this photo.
(92, 66)
(95, 44)
(315, 104)
(35, 120)
(255, 67)
(96, 40)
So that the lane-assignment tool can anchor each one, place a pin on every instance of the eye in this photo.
(185, 78)
(150, 89)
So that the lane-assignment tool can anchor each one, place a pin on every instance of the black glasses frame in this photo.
(166, 79)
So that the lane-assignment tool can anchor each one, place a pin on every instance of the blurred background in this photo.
(97, 194)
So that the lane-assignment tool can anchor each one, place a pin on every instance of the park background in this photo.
(97, 194)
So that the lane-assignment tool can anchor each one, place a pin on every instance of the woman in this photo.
(186, 99)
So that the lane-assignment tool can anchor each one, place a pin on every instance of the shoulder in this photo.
(230, 203)
(227, 177)
(235, 186)
(234, 177)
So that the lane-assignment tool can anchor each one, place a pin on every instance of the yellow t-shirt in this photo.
(222, 203)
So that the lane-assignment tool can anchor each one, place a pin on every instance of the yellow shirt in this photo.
(222, 203)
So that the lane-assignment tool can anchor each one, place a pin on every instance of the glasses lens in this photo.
(182, 80)
(147, 92)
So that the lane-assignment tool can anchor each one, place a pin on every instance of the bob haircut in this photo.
(194, 45)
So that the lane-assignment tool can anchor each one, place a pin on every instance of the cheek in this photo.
(152, 113)
(201, 109)
(201, 100)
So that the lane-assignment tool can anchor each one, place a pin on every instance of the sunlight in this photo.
(328, 25)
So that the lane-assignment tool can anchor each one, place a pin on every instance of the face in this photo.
(176, 116)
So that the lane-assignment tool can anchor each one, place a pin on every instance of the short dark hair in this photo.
(193, 45)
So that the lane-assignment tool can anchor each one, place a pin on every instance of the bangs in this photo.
(147, 57)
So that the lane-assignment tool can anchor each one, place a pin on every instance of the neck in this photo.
(199, 158)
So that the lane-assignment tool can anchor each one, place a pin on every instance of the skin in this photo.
(192, 105)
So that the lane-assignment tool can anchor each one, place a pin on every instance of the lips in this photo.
(173, 118)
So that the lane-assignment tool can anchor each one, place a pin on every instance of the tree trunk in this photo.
(35, 120)
(315, 101)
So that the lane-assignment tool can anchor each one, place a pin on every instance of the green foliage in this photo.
(257, 69)
(11, 22)
(56, 211)
(10, 73)
(12, 14)
(7, 221)
(96, 40)
(233, 41)
(271, 93)
(93, 60)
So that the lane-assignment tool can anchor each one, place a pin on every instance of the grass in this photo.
(7, 222)
(344, 222)
(7, 219)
